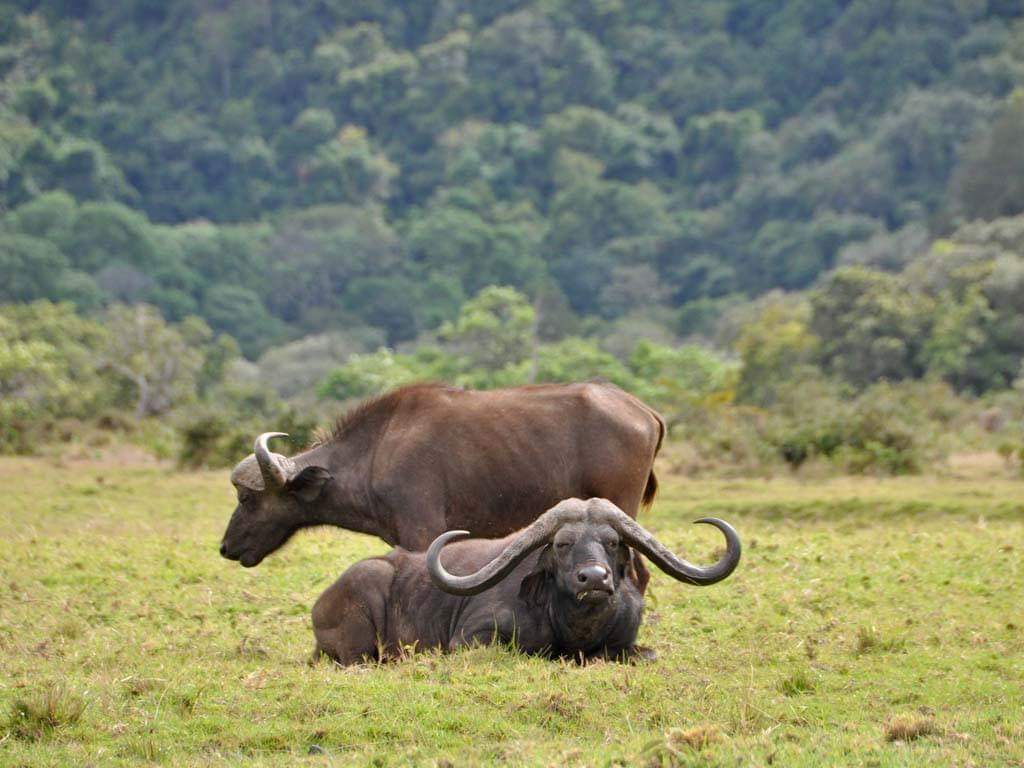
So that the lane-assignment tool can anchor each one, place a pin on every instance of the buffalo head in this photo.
(274, 500)
(587, 553)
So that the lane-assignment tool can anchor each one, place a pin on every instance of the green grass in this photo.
(871, 622)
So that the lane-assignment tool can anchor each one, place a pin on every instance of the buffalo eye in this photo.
(563, 545)
(611, 544)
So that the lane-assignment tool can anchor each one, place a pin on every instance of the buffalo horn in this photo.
(643, 541)
(271, 464)
(536, 535)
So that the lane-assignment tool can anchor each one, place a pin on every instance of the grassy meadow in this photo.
(871, 623)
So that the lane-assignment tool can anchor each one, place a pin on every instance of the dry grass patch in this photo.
(35, 716)
(679, 745)
(909, 727)
(694, 738)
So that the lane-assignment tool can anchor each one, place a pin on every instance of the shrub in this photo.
(219, 435)
(19, 429)
(205, 440)
(878, 436)
(878, 431)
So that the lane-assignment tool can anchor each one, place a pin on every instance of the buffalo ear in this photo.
(635, 569)
(534, 587)
(308, 484)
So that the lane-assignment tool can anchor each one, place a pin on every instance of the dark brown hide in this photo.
(427, 458)
(565, 588)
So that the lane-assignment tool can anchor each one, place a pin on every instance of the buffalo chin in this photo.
(593, 596)
(249, 561)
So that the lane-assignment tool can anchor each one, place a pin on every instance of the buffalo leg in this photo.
(501, 628)
(350, 616)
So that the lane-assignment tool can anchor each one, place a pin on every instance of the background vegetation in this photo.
(797, 228)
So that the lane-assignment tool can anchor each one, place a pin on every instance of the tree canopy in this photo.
(712, 203)
(283, 169)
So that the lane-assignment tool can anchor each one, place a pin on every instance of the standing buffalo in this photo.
(572, 598)
(424, 459)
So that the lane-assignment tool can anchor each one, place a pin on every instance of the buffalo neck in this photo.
(345, 501)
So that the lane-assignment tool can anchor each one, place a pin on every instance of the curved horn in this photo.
(529, 539)
(643, 541)
(271, 467)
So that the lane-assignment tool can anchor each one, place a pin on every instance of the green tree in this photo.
(455, 241)
(773, 345)
(386, 303)
(76, 341)
(32, 377)
(314, 253)
(152, 356)
(346, 169)
(870, 325)
(104, 233)
(376, 372)
(30, 268)
(990, 181)
(494, 329)
(959, 333)
(294, 369)
(84, 168)
(48, 216)
(715, 145)
(630, 151)
(36, 100)
(684, 374)
(576, 359)
(510, 64)
(310, 129)
(240, 313)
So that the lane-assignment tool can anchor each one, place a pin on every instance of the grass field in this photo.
(871, 622)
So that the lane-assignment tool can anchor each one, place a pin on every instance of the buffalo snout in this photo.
(230, 553)
(593, 580)
(246, 558)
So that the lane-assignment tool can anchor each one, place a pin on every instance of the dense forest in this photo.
(277, 205)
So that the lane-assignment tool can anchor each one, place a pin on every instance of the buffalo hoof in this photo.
(315, 656)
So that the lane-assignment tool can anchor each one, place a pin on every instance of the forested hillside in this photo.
(321, 179)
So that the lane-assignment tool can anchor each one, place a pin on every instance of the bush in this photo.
(879, 431)
(32, 376)
(221, 434)
(19, 429)
(877, 435)
(205, 440)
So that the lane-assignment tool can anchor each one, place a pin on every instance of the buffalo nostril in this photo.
(223, 550)
(592, 574)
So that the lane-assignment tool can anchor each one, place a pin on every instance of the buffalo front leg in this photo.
(349, 617)
(498, 628)
(631, 654)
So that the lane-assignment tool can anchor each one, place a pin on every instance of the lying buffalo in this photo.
(558, 588)
(428, 458)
